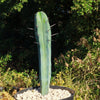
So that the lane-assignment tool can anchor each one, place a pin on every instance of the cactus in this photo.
(43, 37)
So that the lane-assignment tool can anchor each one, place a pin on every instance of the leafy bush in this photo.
(84, 6)
(78, 72)
(4, 60)
(11, 78)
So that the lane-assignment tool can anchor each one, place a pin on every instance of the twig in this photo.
(54, 34)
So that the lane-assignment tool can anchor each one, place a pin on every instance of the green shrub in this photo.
(84, 6)
(11, 79)
(4, 60)
(80, 68)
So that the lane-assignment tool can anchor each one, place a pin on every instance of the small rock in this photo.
(54, 94)
(1, 88)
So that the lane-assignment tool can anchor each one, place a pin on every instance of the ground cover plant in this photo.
(12, 80)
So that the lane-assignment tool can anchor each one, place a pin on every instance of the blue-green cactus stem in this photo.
(43, 36)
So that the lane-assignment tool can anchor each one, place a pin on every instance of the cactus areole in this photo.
(43, 37)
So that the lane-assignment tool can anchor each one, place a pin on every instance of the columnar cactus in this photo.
(43, 37)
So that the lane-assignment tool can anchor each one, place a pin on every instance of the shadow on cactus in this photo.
(43, 37)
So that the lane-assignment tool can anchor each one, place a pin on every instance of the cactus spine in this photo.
(43, 37)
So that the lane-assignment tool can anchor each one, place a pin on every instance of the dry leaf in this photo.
(94, 39)
(99, 37)
(66, 64)
(98, 40)
(98, 59)
(89, 55)
(79, 60)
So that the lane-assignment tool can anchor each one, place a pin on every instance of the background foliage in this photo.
(75, 50)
